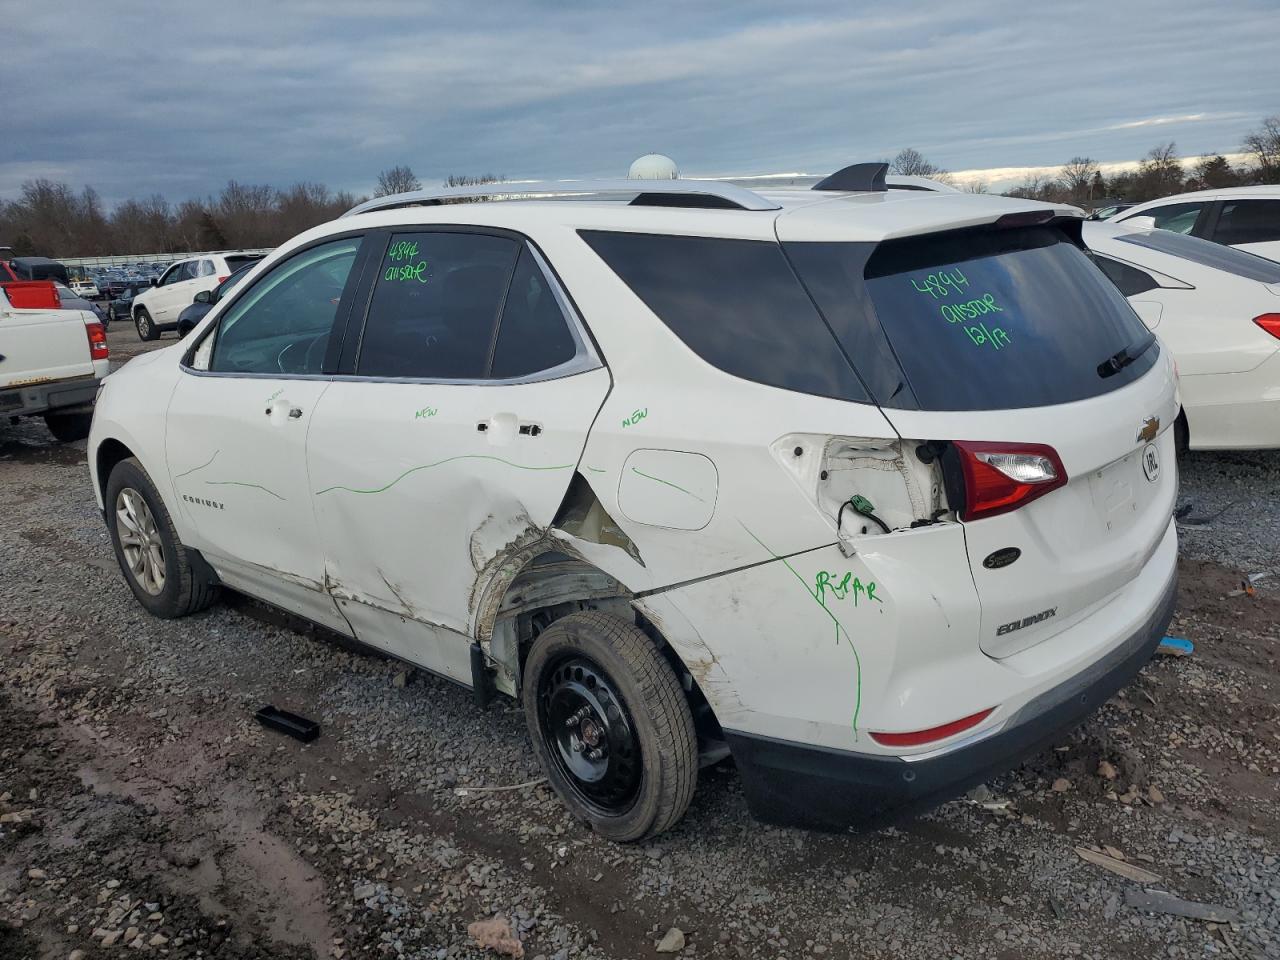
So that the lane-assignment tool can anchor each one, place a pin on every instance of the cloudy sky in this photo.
(136, 98)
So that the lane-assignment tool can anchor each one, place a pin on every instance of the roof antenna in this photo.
(857, 178)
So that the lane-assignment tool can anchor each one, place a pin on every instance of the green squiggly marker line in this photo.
(237, 483)
(428, 466)
(857, 705)
(201, 467)
(597, 470)
(674, 486)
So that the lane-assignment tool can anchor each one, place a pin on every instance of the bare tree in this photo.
(1263, 145)
(1076, 178)
(911, 163)
(976, 186)
(398, 179)
(1160, 173)
(467, 180)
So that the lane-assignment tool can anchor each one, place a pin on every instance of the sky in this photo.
(177, 98)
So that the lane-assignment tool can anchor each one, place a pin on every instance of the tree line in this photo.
(50, 218)
(1080, 180)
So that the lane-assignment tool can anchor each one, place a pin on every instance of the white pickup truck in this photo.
(51, 360)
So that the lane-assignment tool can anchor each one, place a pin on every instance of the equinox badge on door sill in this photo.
(1026, 621)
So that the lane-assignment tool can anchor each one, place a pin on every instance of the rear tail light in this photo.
(1269, 322)
(999, 477)
(916, 738)
(97, 335)
(220, 279)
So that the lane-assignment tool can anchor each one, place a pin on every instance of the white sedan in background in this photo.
(1218, 311)
(1244, 217)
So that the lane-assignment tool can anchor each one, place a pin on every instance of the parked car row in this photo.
(592, 514)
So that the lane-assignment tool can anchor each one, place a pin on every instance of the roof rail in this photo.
(673, 193)
(857, 177)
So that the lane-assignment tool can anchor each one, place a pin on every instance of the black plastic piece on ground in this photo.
(857, 177)
(798, 785)
(481, 682)
(300, 728)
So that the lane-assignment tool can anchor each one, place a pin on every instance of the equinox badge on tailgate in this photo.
(1026, 621)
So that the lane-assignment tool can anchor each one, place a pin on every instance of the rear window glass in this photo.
(234, 263)
(1248, 221)
(1208, 254)
(1003, 319)
(736, 304)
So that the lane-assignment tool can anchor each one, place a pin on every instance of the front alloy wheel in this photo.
(140, 541)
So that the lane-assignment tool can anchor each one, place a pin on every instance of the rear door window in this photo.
(435, 305)
(737, 304)
(1003, 319)
(533, 335)
(1248, 221)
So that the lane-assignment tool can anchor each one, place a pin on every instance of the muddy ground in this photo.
(143, 811)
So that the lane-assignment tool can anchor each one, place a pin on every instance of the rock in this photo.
(672, 941)
(1061, 785)
(495, 934)
(110, 938)
(76, 955)
(401, 679)
(364, 891)
(36, 875)
(1107, 770)
(1154, 795)
(159, 940)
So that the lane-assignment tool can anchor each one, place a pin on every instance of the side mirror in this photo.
(155, 281)
(204, 296)
(1140, 223)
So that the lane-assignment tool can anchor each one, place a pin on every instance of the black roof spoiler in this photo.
(856, 178)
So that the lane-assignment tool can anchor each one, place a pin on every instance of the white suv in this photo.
(157, 309)
(1244, 217)
(872, 490)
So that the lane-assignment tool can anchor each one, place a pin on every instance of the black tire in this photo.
(68, 427)
(651, 771)
(146, 327)
(111, 313)
(1181, 434)
(188, 586)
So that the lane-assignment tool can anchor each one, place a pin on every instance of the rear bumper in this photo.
(62, 396)
(819, 788)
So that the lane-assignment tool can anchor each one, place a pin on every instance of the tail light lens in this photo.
(1269, 322)
(97, 335)
(999, 477)
(220, 279)
(916, 738)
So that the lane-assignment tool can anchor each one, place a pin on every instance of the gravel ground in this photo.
(1232, 512)
(141, 807)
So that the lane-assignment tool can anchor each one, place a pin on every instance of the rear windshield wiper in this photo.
(1122, 358)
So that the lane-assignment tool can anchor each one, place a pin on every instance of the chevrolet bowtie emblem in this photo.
(1150, 427)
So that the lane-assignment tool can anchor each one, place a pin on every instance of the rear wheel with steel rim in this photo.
(610, 725)
(166, 578)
